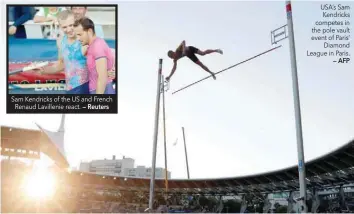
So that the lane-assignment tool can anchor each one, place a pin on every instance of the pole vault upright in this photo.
(157, 111)
(300, 146)
(164, 133)
(185, 152)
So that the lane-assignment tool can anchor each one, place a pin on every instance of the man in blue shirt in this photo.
(20, 15)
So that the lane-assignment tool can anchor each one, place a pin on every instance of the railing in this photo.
(31, 22)
(101, 9)
(34, 30)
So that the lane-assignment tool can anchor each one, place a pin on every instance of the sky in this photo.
(242, 123)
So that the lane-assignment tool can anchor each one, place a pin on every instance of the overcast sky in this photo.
(242, 123)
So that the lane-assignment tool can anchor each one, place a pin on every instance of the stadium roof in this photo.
(17, 142)
(335, 168)
(27, 143)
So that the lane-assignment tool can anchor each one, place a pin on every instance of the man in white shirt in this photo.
(80, 12)
(49, 14)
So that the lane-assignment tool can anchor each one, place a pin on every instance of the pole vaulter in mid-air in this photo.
(190, 51)
(213, 75)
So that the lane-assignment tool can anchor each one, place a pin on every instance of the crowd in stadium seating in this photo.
(86, 199)
(70, 198)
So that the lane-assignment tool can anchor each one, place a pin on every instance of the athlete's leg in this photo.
(205, 68)
(209, 51)
(194, 58)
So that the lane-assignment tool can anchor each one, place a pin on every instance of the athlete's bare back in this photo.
(190, 52)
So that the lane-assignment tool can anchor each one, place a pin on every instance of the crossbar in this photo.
(239, 63)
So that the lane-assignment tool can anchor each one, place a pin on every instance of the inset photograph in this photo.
(62, 49)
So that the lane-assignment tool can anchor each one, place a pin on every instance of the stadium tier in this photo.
(331, 171)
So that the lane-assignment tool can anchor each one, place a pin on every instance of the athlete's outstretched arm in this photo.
(173, 70)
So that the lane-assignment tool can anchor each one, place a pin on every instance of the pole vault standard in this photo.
(164, 135)
(185, 152)
(300, 146)
(239, 63)
(157, 111)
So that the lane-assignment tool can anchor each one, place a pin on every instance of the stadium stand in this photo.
(330, 180)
